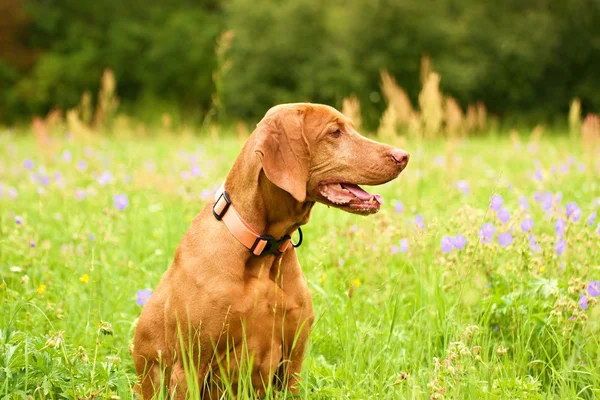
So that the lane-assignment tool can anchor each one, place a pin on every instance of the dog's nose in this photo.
(401, 157)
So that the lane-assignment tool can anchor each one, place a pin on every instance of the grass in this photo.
(483, 322)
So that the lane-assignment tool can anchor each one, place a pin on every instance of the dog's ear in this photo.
(283, 148)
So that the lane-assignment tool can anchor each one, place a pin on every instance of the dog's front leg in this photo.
(296, 341)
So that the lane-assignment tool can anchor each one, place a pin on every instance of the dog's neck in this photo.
(264, 206)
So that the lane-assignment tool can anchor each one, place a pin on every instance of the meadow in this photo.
(479, 277)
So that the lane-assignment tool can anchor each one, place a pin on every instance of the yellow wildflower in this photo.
(42, 289)
(357, 282)
(323, 277)
(85, 278)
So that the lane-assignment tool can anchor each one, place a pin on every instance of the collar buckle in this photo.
(267, 244)
(219, 214)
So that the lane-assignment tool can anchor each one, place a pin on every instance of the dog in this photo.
(235, 294)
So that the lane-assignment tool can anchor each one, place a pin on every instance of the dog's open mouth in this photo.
(350, 197)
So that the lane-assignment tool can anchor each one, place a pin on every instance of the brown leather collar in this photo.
(259, 245)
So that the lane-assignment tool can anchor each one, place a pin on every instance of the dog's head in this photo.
(313, 152)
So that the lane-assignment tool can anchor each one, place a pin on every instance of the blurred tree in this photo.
(281, 53)
(159, 50)
(520, 58)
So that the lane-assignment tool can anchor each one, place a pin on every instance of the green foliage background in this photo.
(523, 59)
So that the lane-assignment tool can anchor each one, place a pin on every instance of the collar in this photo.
(259, 245)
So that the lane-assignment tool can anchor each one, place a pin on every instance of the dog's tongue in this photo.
(360, 193)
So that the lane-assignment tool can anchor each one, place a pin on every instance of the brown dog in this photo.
(221, 306)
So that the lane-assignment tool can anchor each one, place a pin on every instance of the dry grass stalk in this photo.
(415, 127)
(453, 117)
(223, 65)
(242, 130)
(42, 129)
(351, 109)
(76, 126)
(54, 119)
(107, 99)
(397, 98)
(425, 69)
(85, 108)
(536, 134)
(430, 101)
(471, 120)
(515, 138)
(590, 136)
(481, 116)
(167, 123)
(575, 116)
(388, 123)
(213, 130)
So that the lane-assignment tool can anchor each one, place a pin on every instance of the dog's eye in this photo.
(336, 133)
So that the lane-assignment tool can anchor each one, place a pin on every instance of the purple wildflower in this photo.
(354, 228)
(564, 168)
(121, 201)
(105, 178)
(463, 186)
(32, 243)
(527, 225)
(598, 228)
(446, 244)
(419, 221)
(503, 215)
(82, 165)
(560, 247)
(205, 194)
(538, 196)
(92, 237)
(592, 218)
(487, 232)
(547, 201)
(573, 211)
(583, 302)
(523, 203)
(505, 239)
(18, 220)
(28, 164)
(496, 202)
(80, 194)
(399, 206)
(558, 197)
(594, 288)
(12, 193)
(559, 227)
(143, 296)
(533, 245)
(394, 250)
(196, 170)
(185, 175)
(67, 156)
(538, 174)
(459, 242)
(403, 245)
(45, 180)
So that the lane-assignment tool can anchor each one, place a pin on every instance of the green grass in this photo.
(484, 322)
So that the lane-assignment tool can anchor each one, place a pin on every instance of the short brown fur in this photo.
(216, 297)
